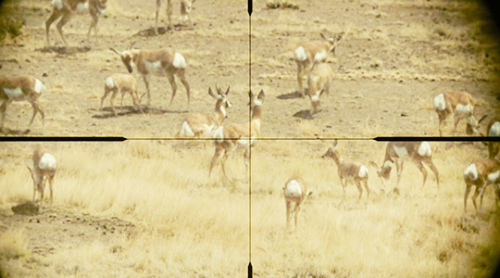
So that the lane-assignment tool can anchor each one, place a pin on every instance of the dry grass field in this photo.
(148, 208)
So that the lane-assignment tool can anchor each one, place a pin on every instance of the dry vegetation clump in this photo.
(281, 4)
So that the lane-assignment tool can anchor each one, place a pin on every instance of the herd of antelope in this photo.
(310, 58)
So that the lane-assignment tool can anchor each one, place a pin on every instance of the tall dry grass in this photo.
(186, 223)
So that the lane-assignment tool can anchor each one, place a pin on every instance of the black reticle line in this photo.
(250, 269)
(123, 139)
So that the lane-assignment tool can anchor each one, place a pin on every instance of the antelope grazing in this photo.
(21, 88)
(234, 137)
(158, 62)
(124, 83)
(461, 105)
(313, 52)
(204, 124)
(480, 174)
(67, 8)
(319, 82)
(186, 6)
(399, 152)
(44, 165)
(354, 172)
(295, 191)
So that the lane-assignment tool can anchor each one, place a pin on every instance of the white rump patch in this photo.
(320, 56)
(186, 130)
(463, 109)
(109, 82)
(293, 189)
(315, 97)
(300, 54)
(57, 4)
(424, 149)
(179, 61)
(39, 86)
(14, 93)
(439, 103)
(82, 7)
(363, 171)
(471, 172)
(493, 176)
(401, 152)
(494, 130)
(219, 134)
(47, 162)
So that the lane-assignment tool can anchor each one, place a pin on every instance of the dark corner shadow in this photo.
(64, 50)
(131, 111)
(292, 95)
(8, 131)
(304, 114)
(150, 32)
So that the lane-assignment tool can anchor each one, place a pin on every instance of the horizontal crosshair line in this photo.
(122, 139)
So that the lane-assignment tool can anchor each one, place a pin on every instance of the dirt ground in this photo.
(396, 57)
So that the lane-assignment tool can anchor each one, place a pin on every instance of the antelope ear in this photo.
(374, 164)
(335, 143)
(227, 91)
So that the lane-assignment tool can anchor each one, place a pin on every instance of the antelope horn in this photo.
(115, 51)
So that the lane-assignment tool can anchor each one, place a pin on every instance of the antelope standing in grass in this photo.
(159, 62)
(459, 104)
(233, 137)
(121, 83)
(480, 174)
(44, 166)
(313, 52)
(295, 191)
(186, 6)
(354, 172)
(21, 88)
(319, 80)
(399, 152)
(204, 124)
(67, 8)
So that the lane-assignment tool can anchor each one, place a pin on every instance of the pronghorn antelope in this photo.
(354, 172)
(480, 174)
(204, 124)
(313, 52)
(44, 166)
(399, 152)
(460, 105)
(319, 82)
(67, 8)
(493, 130)
(160, 62)
(124, 83)
(21, 88)
(233, 137)
(186, 6)
(295, 191)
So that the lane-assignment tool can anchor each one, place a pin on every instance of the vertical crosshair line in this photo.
(250, 133)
